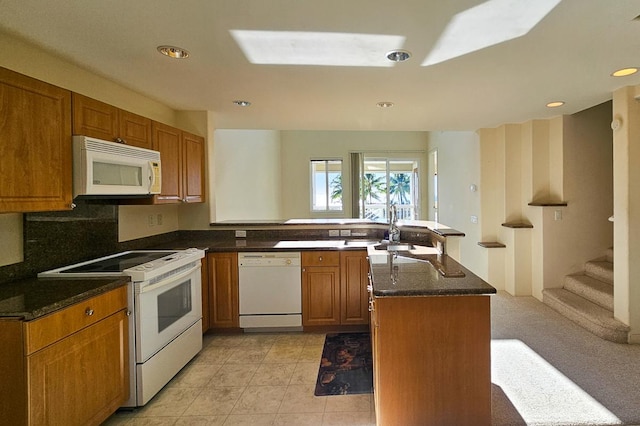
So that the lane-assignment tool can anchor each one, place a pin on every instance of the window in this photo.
(389, 181)
(326, 185)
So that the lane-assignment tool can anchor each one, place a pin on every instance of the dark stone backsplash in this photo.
(55, 239)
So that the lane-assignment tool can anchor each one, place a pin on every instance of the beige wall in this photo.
(247, 171)
(458, 169)
(568, 159)
(299, 147)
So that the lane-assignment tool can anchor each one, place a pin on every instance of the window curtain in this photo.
(357, 203)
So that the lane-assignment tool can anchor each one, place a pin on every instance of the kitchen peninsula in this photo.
(431, 337)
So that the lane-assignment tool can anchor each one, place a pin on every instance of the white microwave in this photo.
(111, 169)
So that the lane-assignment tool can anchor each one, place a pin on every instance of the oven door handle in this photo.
(172, 278)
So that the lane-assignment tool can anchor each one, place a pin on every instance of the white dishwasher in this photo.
(270, 290)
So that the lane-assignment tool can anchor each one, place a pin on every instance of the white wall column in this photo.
(626, 208)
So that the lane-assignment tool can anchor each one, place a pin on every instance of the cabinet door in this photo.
(320, 295)
(193, 172)
(94, 118)
(223, 290)
(35, 145)
(134, 129)
(166, 139)
(353, 290)
(205, 295)
(82, 379)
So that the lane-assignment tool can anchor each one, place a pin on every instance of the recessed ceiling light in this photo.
(555, 104)
(384, 104)
(242, 103)
(173, 52)
(398, 55)
(624, 72)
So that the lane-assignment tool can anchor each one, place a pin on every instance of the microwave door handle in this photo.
(152, 176)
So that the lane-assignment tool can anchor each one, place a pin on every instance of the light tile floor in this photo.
(251, 379)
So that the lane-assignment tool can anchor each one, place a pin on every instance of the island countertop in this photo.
(406, 275)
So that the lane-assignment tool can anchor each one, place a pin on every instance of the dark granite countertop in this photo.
(423, 275)
(243, 245)
(35, 297)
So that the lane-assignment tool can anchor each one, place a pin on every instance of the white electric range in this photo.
(165, 302)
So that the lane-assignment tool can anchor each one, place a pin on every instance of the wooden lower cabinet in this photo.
(432, 360)
(354, 268)
(223, 290)
(80, 378)
(334, 288)
(206, 323)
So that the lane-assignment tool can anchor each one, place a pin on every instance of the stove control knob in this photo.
(148, 265)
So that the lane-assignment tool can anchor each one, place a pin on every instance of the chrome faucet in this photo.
(394, 232)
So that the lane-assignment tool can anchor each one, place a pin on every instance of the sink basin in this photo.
(361, 243)
(395, 247)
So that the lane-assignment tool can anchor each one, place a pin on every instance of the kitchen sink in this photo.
(361, 243)
(395, 247)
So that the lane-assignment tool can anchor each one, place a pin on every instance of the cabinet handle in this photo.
(73, 206)
(89, 312)
(120, 140)
(320, 258)
(128, 313)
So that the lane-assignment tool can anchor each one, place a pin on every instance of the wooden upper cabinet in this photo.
(182, 159)
(167, 140)
(94, 118)
(35, 145)
(103, 121)
(193, 168)
(135, 129)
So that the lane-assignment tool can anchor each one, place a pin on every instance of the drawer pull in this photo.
(320, 258)
(89, 312)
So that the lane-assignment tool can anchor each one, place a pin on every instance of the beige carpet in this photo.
(546, 370)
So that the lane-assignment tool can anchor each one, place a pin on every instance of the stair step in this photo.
(610, 254)
(590, 316)
(594, 290)
(600, 269)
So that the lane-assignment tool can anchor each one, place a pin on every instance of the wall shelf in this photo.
(518, 225)
(548, 204)
(491, 244)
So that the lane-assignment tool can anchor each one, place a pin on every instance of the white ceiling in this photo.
(569, 55)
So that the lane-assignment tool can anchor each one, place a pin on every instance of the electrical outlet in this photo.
(345, 232)
(159, 219)
(558, 215)
(474, 219)
(150, 220)
(241, 234)
(334, 233)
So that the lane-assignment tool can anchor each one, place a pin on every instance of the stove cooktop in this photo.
(140, 265)
(118, 263)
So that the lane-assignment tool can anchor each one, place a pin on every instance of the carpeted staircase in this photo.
(587, 299)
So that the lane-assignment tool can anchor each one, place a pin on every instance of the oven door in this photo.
(165, 309)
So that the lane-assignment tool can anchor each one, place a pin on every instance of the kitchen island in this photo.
(431, 338)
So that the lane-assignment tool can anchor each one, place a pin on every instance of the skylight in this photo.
(488, 24)
(317, 48)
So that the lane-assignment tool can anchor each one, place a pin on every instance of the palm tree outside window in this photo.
(389, 181)
(326, 186)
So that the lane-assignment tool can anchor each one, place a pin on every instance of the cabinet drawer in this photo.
(53, 327)
(320, 258)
